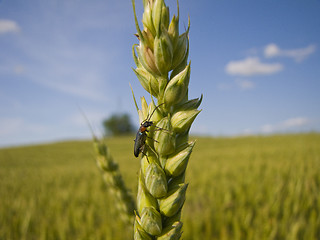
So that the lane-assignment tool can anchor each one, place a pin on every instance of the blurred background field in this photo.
(258, 187)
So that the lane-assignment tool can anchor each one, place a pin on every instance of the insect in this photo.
(141, 137)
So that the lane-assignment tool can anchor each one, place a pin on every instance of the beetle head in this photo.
(147, 124)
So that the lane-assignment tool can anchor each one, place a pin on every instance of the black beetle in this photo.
(140, 141)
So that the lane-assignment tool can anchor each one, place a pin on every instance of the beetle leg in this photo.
(159, 128)
(142, 151)
(152, 139)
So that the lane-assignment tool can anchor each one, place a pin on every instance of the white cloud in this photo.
(299, 54)
(251, 66)
(7, 26)
(289, 124)
(268, 128)
(271, 50)
(294, 122)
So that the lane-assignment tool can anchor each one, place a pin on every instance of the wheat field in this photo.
(258, 187)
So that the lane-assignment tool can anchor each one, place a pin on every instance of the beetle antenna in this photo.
(154, 110)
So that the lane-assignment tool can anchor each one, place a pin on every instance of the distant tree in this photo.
(118, 124)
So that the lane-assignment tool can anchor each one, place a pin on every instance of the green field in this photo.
(239, 188)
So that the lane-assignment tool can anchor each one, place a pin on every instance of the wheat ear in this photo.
(111, 174)
(163, 70)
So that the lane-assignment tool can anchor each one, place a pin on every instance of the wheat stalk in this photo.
(163, 70)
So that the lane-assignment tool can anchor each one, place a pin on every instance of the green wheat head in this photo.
(163, 70)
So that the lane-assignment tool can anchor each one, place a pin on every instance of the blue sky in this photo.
(255, 62)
